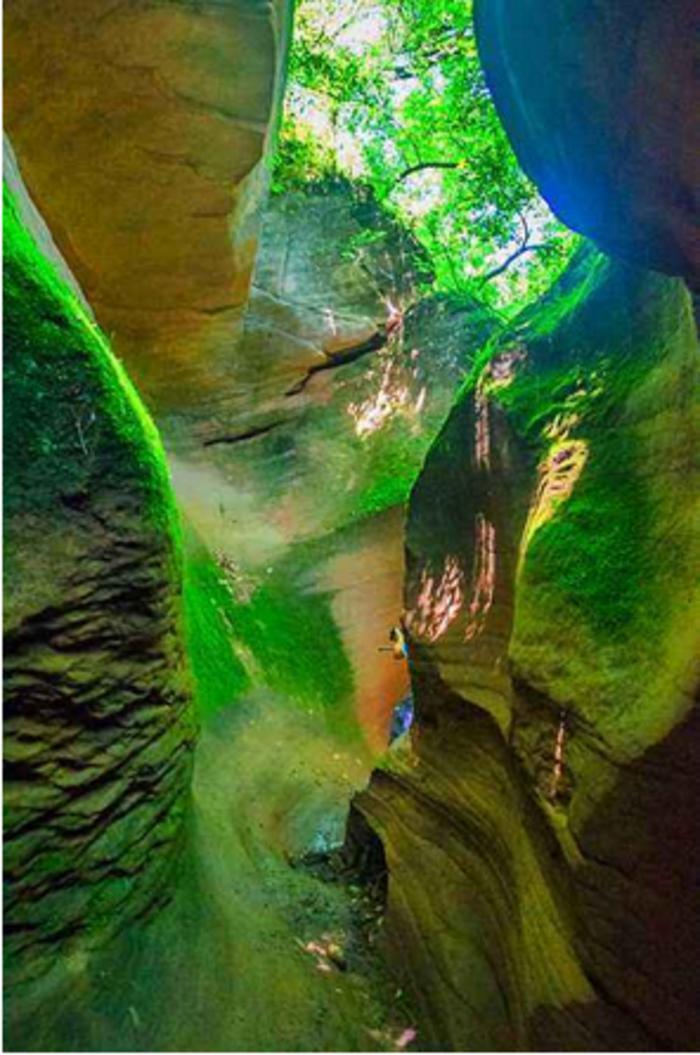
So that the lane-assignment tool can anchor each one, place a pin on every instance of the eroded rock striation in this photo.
(98, 728)
(141, 131)
(540, 829)
(343, 376)
(600, 102)
(342, 365)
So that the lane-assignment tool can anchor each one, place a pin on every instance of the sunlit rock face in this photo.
(341, 371)
(600, 101)
(342, 378)
(97, 719)
(333, 278)
(540, 828)
(141, 130)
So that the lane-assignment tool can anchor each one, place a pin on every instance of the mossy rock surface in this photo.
(272, 629)
(552, 601)
(98, 726)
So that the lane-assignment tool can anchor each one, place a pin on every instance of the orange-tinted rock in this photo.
(141, 131)
(540, 832)
(326, 416)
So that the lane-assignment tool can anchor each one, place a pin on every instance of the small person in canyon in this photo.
(398, 645)
(397, 637)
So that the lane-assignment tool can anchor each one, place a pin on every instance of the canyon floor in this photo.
(222, 967)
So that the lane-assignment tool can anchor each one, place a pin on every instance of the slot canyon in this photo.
(351, 537)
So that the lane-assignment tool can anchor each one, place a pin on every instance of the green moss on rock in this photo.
(277, 631)
(219, 675)
(87, 425)
(98, 728)
(563, 493)
(294, 640)
(605, 368)
(610, 571)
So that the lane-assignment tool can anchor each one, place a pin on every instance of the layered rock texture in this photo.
(600, 102)
(343, 373)
(296, 479)
(141, 131)
(539, 825)
(540, 830)
(98, 728)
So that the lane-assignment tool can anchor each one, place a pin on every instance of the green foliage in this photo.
(391, 93)
(302, 159)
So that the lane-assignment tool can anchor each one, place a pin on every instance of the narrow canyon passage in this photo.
(226, 964)
(222, 967)
(351, 535)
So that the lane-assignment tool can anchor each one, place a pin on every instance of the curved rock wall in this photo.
(600, 102)
(552, 603)
(141, 130)
(296, 476)
(97, 722)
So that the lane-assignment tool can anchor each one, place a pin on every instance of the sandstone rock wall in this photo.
(320, 298)
(552, 602)
(540, 825)
(600, 102)
(296, 475)
(141, 130)
(97, 721)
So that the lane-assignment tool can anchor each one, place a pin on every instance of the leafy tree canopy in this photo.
(390, 93)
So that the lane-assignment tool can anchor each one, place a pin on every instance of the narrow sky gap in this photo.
(380, 90)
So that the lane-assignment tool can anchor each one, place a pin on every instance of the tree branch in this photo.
(533, 248)
(427, 165)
